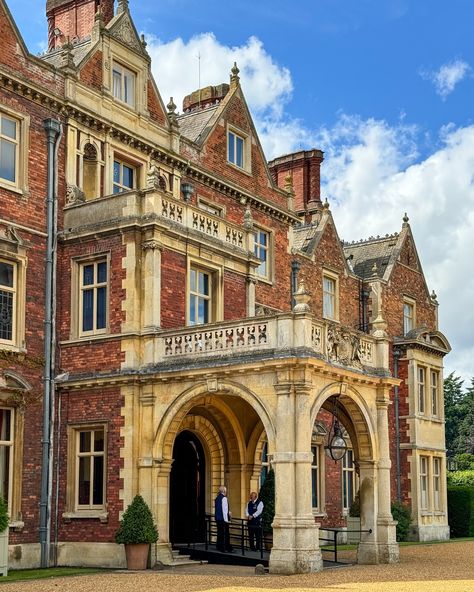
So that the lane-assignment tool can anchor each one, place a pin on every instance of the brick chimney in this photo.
(204, 97)
(74, 19)
(305, 169)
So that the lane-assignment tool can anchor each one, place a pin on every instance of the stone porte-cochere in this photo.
(231, 413)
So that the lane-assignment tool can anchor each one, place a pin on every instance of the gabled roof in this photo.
(15, 29)
(370, 258)
(196, 125)
(78, 52)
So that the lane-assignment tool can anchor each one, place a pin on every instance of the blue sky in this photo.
(384, 87)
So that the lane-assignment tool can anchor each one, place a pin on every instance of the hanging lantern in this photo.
(336, 447)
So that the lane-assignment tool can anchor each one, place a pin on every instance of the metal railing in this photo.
(239, 535)
(332, 542)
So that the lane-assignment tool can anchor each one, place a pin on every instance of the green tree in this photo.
(464, 442)
(267, 495)
(453, 398)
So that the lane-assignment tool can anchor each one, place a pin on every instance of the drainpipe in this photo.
(53, 132)
(295, 267)
(396, 356)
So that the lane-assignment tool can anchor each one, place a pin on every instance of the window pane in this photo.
(5, 452)
(117, 84)
(204, 284)
(231, 147)
(314, 487)
(240, 152)
(9, 127)
(7, 160)
(101, 307)
(192, 310)
(87, 310)
(99, 441)
(87, 275)
(5, 425)
(102, 272)
(127, 176)
(6, 274)
(203, 310)
(6, 315)
(84, 441)
(116, 172)
(84, 480)
(129, 88)
(98, 493)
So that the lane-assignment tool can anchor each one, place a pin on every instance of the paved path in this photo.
(425, 568)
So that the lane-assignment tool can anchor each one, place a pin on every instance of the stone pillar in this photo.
(367, 552)
(161, 510)
(295, 534)
(251, 283)
(234, 484)
(152, 284)
(388, 550)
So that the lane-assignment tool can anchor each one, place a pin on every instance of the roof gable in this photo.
(11, 36)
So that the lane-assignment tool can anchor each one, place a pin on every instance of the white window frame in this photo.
(263, 271)
(409, 320)
(348, 473)
(90, 454)
(119, 91)
(119, 184)
(332, 315)
(231, 158)
(198, 296)
(421, 390)
(15, 142)
(20, 185)
(94, 287)
(14, 291)
(424, 483)
(316, 476)
(434, 388)
(9, 445)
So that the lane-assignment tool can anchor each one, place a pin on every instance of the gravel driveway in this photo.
(424, 568)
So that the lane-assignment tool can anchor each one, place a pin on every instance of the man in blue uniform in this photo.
(253, 513)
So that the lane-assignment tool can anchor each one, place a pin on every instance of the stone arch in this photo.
(355, 416)
(213, 450)
(177, 411)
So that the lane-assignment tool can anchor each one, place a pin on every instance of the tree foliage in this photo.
(267, 496)
(459, 415)
(3, 514)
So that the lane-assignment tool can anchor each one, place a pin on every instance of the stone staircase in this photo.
(180, 560)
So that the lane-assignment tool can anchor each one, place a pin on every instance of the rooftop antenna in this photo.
(199, 80)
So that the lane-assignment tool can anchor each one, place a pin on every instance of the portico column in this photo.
(386, 536)
(161, 509)
(152, 283)
(367, 550)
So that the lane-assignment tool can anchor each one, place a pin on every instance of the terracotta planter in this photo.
(137, 555)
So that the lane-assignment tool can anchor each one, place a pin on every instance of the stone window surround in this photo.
(217, 288)
(21, 183)
(76, 312)
(16, 474)
(411, 302)
(71, 509)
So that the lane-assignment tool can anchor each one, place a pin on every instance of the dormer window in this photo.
(124, 84)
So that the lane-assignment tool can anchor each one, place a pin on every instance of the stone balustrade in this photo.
(153, 204)
(282, 333)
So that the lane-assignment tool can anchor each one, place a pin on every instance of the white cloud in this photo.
(372, 173)
(447, 77)
(371, 178)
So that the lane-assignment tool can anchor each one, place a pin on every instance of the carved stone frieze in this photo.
(74, 195)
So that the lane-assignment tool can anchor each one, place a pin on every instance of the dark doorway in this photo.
(187, 490)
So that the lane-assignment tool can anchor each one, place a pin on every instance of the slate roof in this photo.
(194, 125)
(366, 253)
(79, 51)
(304, 238)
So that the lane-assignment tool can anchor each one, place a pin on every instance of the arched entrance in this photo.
(187, 489)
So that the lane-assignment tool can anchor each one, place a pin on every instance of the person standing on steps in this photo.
(222, 516)
(253, 513)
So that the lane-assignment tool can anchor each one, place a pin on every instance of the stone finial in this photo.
(434, 297)
(326, 205)
(248, 219)
(67, 57)
(234, 75)
(374, 270)
(405, 219)
(122, 6)
(289, 183)
(302, 298)
(172, 115)
(99, 19)
(143, 41)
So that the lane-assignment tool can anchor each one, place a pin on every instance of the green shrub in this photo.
(465, 461)
(137, 525)
(354, 510)
(267, 496)
(3, 514)
(402, 514)
(461, 478)
(461, 511)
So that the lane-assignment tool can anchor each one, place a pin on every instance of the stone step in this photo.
(186, 562)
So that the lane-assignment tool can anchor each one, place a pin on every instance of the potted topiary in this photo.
(353, 521)
(267, 496)
(3, 537)
(137, 531)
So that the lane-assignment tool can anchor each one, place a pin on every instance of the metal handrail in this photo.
(238, 534)
(333, 540)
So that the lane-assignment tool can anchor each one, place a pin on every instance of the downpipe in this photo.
(53, 130)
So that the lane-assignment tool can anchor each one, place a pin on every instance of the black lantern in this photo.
(336, 446)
